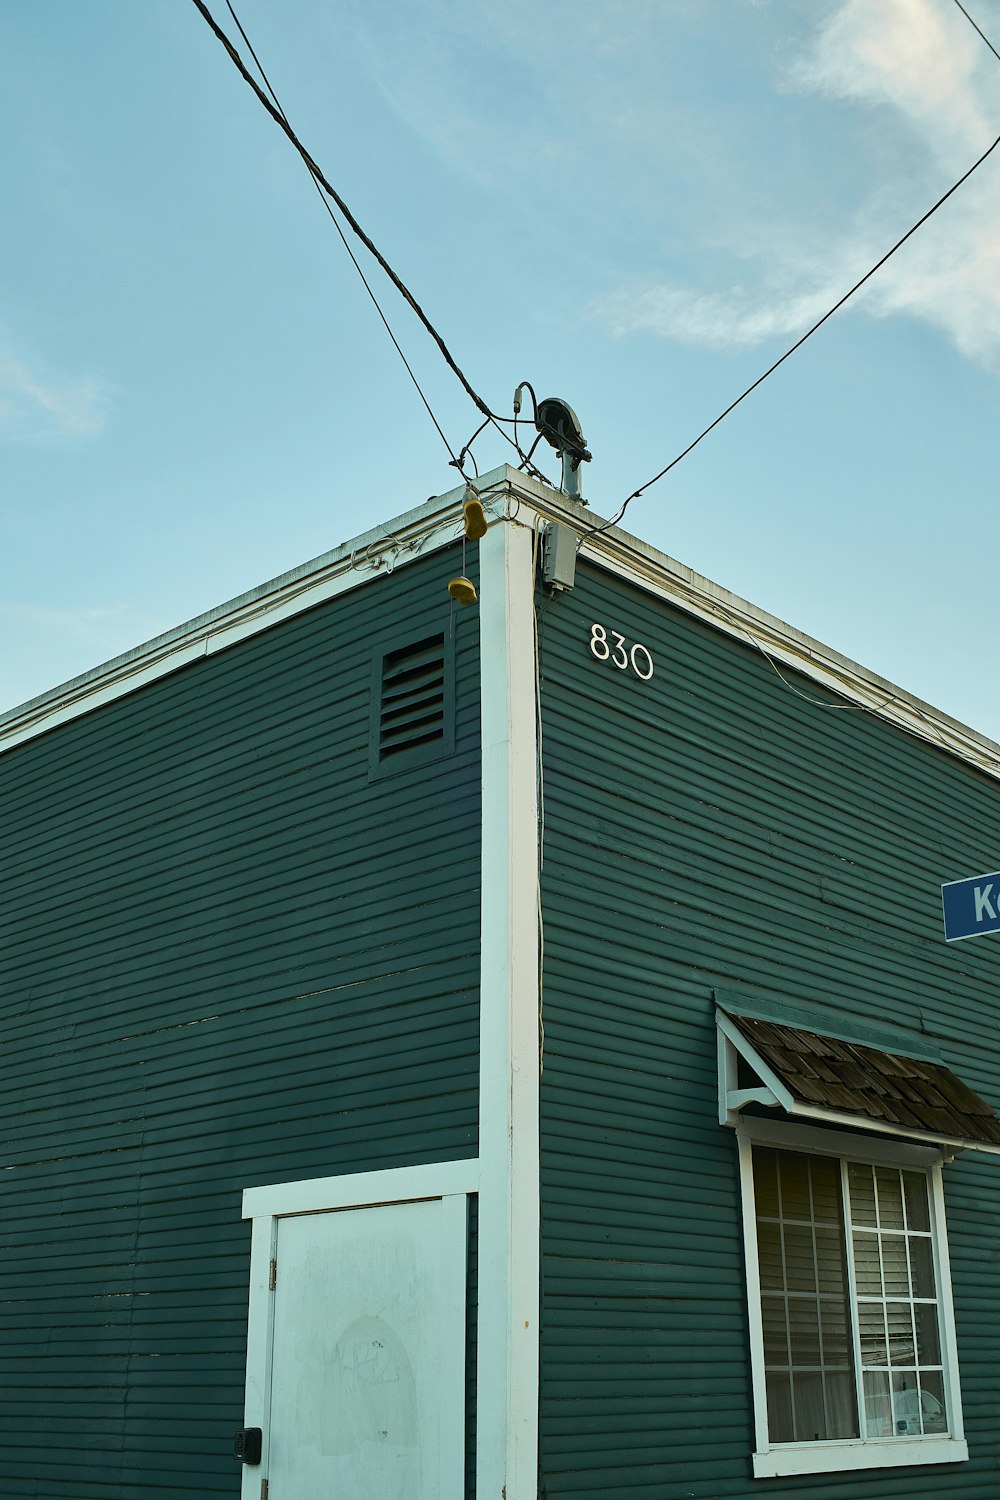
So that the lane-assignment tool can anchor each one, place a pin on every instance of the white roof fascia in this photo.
(415, 533)
(656, 573)
(523, 500)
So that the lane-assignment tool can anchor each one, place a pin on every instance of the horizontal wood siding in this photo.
(230, 958)
(719, 827)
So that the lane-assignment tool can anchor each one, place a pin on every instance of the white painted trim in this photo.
(754, 1310)
(946, 1306)
(790, 1135)
(507, 1378)
(436, 1179)
(426, 527)
(414, 534)
(653, 571)
(260, 1326)
(439, 521)
(726, 1059)
(737, 1098)
(836, 1458)
(884, 1127)
(767, 1075)
(852, 1293)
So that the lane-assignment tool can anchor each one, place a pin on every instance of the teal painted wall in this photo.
(229, 958)
(713, 828)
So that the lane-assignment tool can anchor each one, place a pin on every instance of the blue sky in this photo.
(635, 206)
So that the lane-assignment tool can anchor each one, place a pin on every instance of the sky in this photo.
(636, 206)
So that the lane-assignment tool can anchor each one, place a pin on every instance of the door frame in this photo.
(449, 1181)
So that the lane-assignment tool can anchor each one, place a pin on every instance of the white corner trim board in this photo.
(508, 1361)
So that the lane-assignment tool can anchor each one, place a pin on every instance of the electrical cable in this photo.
(593, 530)
(343, 238)
(325, 187)
(982, 33)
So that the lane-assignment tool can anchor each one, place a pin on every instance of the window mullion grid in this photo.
(820, 1321)
(913, 1316)
(784, 1298)
(885, 1303)
(852, 1292)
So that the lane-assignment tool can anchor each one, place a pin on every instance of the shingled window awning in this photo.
(823, 1079)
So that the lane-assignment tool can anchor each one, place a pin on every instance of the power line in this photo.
(982, 33)
(323, 186)
(343, 238)
(797, 345)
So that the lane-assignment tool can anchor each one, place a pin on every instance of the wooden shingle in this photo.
(849, 1077)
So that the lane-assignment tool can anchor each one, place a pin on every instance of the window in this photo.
(852, 1331)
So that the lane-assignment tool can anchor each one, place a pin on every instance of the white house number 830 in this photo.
(618, 651)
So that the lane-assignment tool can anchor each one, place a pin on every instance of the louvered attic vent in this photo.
(413, 708)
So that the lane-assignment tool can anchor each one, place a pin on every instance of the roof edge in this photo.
(355, 562)
(658, 573)
(437, 521)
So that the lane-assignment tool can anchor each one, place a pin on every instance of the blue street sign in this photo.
(971, 907)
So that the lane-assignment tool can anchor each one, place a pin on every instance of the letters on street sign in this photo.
(971, 907)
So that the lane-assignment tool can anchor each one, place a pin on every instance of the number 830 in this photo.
(618, 652)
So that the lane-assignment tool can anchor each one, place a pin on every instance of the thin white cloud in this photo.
(925, 75)
(46, 643)
(37, 407)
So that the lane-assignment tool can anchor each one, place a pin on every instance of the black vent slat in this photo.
(426, 717)
(411, 741)
(412, 707)
(426, 683)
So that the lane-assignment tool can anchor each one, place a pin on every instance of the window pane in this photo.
(765, 1181)
(921, 1266)
(867, 1274)
(915, 1193)
(803, 1323)
(810, 1416)
(871, 1326)
(906, 1404)
(769, 1256)
(800, 1266)
(830, 1260)
(862, 1190)
(928, 1340)
(779, 1408)
(794, 1173)
(841, 1405)
(826, 1190)
(900, 1324)
(805, 1314)
(878, 1405)
(897, 1281)
(775, 1330)
(932, 1407)
(835, 1333)
(890, 1198)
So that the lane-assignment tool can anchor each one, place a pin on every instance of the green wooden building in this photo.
(496, 1051)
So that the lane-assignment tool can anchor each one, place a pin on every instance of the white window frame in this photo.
(836, 1456)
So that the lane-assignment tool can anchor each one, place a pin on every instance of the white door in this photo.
(368, 1354)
